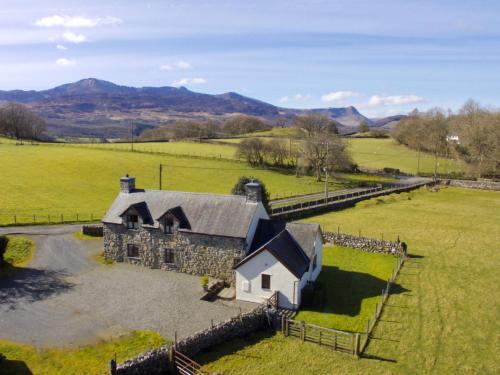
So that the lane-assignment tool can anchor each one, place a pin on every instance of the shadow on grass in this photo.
(13, 367)
(344, 291)
(415, 256)
(233, 347)
(25, 285)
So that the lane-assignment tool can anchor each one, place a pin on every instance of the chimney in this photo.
(253, 192)
(127, 184)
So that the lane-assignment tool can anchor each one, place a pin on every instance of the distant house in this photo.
(227, 237)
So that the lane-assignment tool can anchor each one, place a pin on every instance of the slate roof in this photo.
(291, 243)
(288, 252)
(303, 233)
(222, 215)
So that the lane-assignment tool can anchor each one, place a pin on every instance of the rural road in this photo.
(64, 297)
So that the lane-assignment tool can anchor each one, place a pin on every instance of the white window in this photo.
(169, 225)
(132, 222)
(246, 286)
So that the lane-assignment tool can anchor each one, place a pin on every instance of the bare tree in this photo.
(17, 121)
(314, 124)
(252, 150)
(363, 127)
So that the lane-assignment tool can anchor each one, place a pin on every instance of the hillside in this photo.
(97, 108)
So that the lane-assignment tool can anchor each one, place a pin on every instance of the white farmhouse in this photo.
(283, 257)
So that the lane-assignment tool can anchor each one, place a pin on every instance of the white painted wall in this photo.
(260, 213)
(281, 279)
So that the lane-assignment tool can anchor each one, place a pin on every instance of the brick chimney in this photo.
(127, 184)
(253, 192)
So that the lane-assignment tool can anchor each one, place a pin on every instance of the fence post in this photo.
(302, 330)
(77, 217)
(112, 367)
(49, 219)
(356, 344)
(15, 219)
(62, 219)
(283, 322)
(34, 218)
(335, 341)
(319, 338)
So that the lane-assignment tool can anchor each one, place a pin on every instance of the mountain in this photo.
(93, 107)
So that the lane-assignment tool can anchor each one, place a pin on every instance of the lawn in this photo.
(353, 281)
(24, 359)
(447, 320)
(18, 252)
(52, 180)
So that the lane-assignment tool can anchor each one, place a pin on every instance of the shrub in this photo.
(239, 189)
(204, 281)
(3, 247)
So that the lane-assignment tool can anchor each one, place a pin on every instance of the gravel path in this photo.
(64, 297)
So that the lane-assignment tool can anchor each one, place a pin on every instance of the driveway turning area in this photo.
(66, 298)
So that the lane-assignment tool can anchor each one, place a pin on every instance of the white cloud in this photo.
(294, 98)
(65, 62)
(183, 65)
(76, 21)
(337, 96)
(60, 47)
(187, 81)
(71, 37)
(386, 100)
(177, 65)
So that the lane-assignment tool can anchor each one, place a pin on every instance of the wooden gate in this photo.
(184, 365)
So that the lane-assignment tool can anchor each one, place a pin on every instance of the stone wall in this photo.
(195, 254)
(156, 362)
(470, 184)
(95, 230)
(363, 243)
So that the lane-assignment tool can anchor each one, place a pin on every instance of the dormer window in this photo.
(132, 222)
(169, 225)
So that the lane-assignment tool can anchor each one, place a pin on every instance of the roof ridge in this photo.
(194, 193)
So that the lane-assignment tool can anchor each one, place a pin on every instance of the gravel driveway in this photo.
(64, 297)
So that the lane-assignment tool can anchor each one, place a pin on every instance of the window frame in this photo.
(169, 254)
(132, 224)
(135, 248)
(265, 280)
(168, 228)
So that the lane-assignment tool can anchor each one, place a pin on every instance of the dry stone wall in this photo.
(480, 184)
(95, 230)
(156, 362)
(363, 243)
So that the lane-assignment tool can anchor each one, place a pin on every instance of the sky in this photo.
(384, 57)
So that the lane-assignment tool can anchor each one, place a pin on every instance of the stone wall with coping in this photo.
(364, 243)
(195, 254)
(157, 361)
(95, 230)
(470, 184)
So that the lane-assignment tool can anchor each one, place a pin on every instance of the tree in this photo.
(239, 189)
(244, 124)
(363, 127)
(436, 134)
(276, 151)
(252, 150)
(314, 124)
(17, 121)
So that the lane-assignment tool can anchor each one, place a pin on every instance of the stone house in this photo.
(194, 233)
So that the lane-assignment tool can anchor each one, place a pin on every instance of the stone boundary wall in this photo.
(95, 230)
(364, 243)
(156, 362)
(470, 184)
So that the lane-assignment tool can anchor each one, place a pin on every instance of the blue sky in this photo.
(384, 56)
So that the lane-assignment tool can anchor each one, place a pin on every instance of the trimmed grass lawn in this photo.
(52, 180)
(18, 253)
(353, 281)
(24, 359)
(447, 320)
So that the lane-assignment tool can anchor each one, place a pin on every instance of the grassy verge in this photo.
(99, 258)
(18, 253)
(446, 322)
(352, 281)
(85, 237)
(24, 359)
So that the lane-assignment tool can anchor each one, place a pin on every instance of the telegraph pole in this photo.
(132, 135)
(326, 174)
(160, 175)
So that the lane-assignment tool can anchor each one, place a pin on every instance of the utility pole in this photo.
(326, 174)
(161, 170)
(132, 135)
(418, 162)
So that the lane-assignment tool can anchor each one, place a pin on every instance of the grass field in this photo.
(89, 360)
(352, 280)
(53, 180)
(18, 252)
(447, 320)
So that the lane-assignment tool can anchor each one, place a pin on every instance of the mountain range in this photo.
(93, 107)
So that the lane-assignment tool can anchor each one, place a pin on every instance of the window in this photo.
(315, 262)
(266, 281)
(132, 222)
(169, 256)
(169, 225)
(132, 251)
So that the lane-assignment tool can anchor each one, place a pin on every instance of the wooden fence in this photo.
(35, 219)
(370, 325)
(342, 341)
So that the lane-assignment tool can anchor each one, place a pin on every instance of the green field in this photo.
(44, 180)
(446, 322)
(18, 251)
(352, 280)
(88, 360)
